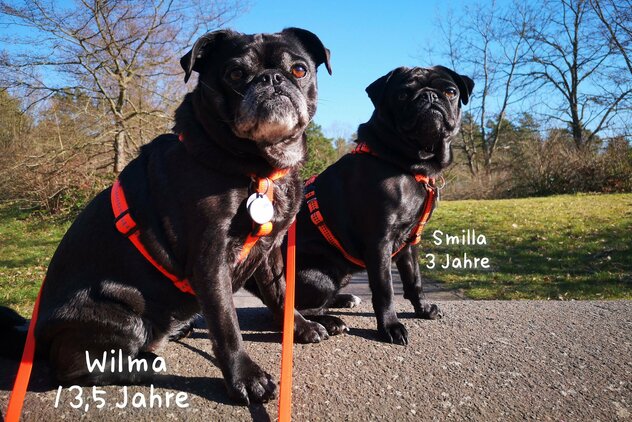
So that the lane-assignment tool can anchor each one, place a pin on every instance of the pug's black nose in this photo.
(428, 97)
(271, 77)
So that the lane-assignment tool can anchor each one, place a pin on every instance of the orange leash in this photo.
(285, 395)
(24, 370)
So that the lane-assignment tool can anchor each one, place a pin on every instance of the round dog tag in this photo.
(260, 208)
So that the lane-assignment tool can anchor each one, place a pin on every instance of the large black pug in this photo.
(245, 119)
(371, 202)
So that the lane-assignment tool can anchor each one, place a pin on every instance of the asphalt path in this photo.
(484, 361)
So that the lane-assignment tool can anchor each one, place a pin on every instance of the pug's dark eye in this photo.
(450, 93)
(299, 71)
(236, 74)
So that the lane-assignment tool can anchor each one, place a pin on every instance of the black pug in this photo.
(245, 120)
(371, 202)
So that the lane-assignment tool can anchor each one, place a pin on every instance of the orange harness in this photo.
(319, 221)
(128, 227)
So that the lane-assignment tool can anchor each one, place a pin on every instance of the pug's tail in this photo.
(13, 329)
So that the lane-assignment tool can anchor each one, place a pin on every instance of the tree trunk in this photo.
(120, 158)
(488, 163)
(576, 127)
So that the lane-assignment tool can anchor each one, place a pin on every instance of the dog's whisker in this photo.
(238, 93)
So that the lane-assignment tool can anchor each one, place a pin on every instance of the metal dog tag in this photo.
(260, 208)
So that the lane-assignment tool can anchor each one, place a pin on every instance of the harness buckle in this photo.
(312, 205)
(317, 218)
(125, 224)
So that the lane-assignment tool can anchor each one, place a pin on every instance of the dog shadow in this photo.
(41, 379)
(207, 388)
(252, 337)
(210, 389)
(402, 315)
(213, 387)
(256, 325)
(337, 311)
(365, 333)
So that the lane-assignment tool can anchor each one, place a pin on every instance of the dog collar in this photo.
(259, 203)
(260, 206)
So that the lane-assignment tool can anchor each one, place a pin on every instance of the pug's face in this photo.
(423, 107)
(262, 86)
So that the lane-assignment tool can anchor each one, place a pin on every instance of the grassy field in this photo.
(27, 242)
(562, 247)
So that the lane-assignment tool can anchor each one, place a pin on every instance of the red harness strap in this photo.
(415, 236)
(128, 227)
(363, 148)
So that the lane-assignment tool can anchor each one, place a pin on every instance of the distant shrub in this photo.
(536, 167)
(557, 166)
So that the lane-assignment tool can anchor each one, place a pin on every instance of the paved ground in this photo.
(485, 361)
(359, 286)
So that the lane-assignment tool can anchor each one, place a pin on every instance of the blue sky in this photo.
(366, 39)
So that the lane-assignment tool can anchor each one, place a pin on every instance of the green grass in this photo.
(561, 247)
(27, 242)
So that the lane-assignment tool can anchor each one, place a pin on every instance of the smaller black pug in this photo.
(255, 96)
(371, 202)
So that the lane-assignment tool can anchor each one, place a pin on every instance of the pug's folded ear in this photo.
(377, 89)
(464, 83)
(313, 45)
(202, 48)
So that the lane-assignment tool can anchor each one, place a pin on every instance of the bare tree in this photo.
(571, 56)
(13, 122)
(616, 17)
(490, 46)
(120, 53)
(54, 161)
